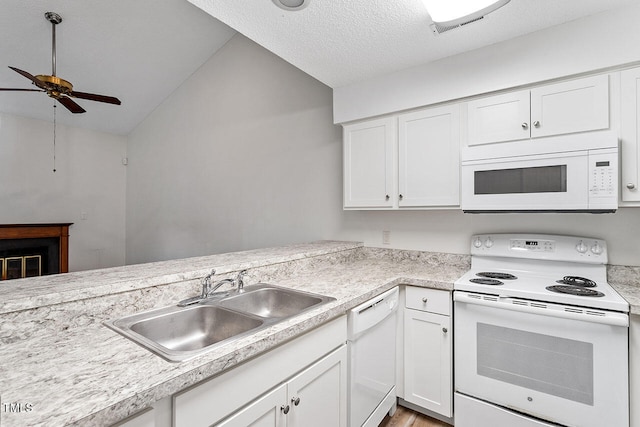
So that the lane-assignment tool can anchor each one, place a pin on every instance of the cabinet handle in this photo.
(525, 126)
(425, 299)
(536, 124)
(400, 197)
(295, 401)
(445, 330)
(285, 409)
(386, 197)
(631, 186)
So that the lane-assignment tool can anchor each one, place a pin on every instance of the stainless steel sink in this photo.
(272, 302)
(180, 333)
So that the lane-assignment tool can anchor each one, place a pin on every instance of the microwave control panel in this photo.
(603, 178)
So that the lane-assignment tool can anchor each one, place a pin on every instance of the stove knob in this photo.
(581, 247)
(477, 242)
(596, 248)
(488, 243)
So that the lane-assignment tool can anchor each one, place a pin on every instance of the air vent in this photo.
(439, 29)
(528, 304)
(595, 313)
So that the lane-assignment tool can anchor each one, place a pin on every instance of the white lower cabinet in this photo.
(634, 369)
(315, 397)
(428, 350)
(312, 368)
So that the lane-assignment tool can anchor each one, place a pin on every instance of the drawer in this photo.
(431, 300)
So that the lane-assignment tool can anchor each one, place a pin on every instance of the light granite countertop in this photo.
(86, 374)
(58, 357)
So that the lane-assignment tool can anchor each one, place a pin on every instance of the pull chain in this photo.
(54, 136)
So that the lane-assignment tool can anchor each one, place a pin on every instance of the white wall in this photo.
(243, 155)
(450, 230)
(588, 44)
(90, 178)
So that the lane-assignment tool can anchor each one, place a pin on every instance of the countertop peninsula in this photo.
(58, 357)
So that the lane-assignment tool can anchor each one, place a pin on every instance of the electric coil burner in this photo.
(486, 281)
(496, 275)
(577, 281)
(575, 290)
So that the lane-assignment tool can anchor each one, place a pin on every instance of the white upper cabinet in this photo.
(369, 163)
(499, 118)
(573, 106)
(429, 157)
(405, 161)
(629, 133)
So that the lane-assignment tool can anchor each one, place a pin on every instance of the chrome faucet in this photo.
(208, 289)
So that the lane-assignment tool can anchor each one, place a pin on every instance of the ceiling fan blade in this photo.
(29, 76)
(94, 97)
(23, 90)
(71, 105)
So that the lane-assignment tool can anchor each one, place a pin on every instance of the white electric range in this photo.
(541, 338)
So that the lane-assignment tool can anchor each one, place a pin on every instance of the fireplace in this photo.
(28, 250)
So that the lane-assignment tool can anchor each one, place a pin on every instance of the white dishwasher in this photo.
(372, 359)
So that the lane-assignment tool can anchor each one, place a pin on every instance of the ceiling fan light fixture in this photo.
(451, 13)
(292, 5)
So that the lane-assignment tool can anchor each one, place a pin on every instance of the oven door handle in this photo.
(612, 318)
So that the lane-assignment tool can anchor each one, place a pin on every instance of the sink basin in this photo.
(180, 333)
(195, 328)
(272, 302)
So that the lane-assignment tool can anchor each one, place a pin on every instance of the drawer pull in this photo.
(425, 299)
(445, 330)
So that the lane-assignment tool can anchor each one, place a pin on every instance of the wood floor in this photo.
(407, 418)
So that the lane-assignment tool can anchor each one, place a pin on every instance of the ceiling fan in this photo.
(54, 86)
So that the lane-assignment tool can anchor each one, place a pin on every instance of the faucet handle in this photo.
(208, 277)
(206, 283)
(240, 279)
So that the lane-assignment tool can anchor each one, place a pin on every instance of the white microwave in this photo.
(576, 173)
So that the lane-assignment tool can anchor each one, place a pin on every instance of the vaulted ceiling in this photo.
(142, 50)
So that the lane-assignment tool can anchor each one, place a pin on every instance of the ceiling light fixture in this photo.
(452, 13)
(292, 5)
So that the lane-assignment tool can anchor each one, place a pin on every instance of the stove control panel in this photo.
(540, 246)
(533, 245)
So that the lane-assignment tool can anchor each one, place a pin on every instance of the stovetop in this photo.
(533, 267)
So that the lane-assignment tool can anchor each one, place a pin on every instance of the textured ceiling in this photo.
(137, 50)
(142, 50)
(342, 42)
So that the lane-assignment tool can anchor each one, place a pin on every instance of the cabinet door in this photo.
(267, 411)
(318, 395)
(629, 133)
(574, 106)
(429, 157)
(369, 164)
(498, 118)
(427, 361)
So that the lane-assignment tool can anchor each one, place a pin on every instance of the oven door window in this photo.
(541, 179)
(553, 365)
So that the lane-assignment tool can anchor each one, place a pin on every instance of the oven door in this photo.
(561, 364)
(557, 182)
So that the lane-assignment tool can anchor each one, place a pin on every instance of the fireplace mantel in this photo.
(37, 231)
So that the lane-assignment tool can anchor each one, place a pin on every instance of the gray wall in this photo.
(88, 188)
(243, 155)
